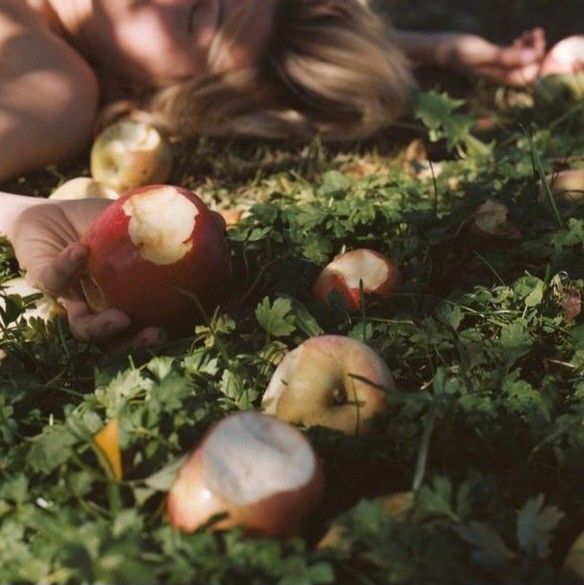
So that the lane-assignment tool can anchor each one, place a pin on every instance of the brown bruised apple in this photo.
(151, 253)
(379, 275)
(129, 154)
(330, 381)
(256, 469)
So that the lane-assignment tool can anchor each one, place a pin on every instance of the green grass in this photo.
(486, 421)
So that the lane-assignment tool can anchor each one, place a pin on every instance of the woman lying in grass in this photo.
(283, 69)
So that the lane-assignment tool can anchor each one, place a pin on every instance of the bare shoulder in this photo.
(48, 92)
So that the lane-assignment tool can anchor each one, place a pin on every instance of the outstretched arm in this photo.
(517, 64)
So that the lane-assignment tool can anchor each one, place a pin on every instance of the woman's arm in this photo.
(517, 64)
(11, 206)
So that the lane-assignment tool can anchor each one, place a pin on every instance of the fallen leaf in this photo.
(108, 442)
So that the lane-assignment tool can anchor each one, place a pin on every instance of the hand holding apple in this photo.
(261, 472)
(378, 274)
(156, 253)
(331, 381)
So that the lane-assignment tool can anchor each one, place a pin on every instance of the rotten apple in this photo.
(331, 381)
(158, 253)
(256, 469)
(130, 154)
(377, 274)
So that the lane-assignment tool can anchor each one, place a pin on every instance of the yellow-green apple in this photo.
(378, 274)
(331, 381)
(567, 185)
(83, 188)
(256, 469)
(130, 154)
(156, 253)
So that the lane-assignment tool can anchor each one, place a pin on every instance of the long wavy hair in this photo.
(330, 68)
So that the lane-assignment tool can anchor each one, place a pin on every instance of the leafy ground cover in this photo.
(483, 447)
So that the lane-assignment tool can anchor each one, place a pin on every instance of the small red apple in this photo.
(260, 471)
(151, 252)
(332, 381)
(379, 275)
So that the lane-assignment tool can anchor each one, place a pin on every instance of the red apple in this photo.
(151, 252)
(260, 471)
(379, 275)
(332, 381)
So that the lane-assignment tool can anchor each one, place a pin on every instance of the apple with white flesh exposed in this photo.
(331, 381)
(83, 188)
(378, 274)
(130, 154)
(567, 56)
(153, 253)
(258, 470)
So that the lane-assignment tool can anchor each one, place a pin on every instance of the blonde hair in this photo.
(329, 68)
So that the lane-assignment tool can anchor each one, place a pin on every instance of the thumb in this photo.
(57, 275)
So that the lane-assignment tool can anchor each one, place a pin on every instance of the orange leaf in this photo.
(108, 442)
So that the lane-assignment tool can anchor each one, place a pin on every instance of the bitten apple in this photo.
(83, 188)
(129, 154)
(331, 381)
(379, 275)
(258, 470)
(151, 252)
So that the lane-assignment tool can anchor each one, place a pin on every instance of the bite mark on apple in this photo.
(360, 265)
(161, 224)
(278, 457)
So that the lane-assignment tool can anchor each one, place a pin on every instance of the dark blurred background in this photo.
(498, 20)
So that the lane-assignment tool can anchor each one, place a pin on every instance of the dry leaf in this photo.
(490, 219)
(108, 442)
(571, 302)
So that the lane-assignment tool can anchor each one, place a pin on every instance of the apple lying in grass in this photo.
(156, 253)
(567, 56)
(83, 188)
(567, 186)
(44, 308)
(130, 154)
(258, 470)
(331, 381)
(378, 274)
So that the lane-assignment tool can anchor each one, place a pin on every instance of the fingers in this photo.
(517, 77)
(106, 328)
(145, 338)
(88, 326)
(56, 276)
(527, 49)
